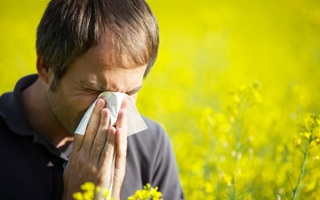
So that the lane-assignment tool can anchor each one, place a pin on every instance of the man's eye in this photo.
(131, 93)
(92, 91)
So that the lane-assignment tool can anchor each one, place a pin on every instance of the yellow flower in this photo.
(105, 193)
(88, 186)
(90, 191)
(98, 189)
(88, 195)
(318, 121)
(208, 187)
(147, 193)
(305, 135)
(308, 122)
(316, 158)
(316, 132)
(228, 180)
(77, 196)
(257, 97)
(297, 142)
(147, 187)
(236, 99)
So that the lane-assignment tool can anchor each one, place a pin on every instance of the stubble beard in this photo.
(61, 111)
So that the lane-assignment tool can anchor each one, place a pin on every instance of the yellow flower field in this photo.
(236, 86)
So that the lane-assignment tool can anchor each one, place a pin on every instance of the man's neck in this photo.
(41, 117)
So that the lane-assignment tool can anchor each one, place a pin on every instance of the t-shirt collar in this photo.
(11, 107)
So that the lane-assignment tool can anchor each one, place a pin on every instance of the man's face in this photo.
(85, 79)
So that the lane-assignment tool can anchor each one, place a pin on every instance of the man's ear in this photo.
(43, 69)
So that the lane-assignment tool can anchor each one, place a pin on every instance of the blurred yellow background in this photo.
(231, 85)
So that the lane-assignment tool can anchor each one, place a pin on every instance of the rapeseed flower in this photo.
(147, 193)
(90, 191)
(308, 122)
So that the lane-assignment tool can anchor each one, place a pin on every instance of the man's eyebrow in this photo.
(92, 85)
(96, 86)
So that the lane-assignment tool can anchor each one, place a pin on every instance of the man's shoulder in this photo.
(153, 126)
(151, 138)
(155, 131)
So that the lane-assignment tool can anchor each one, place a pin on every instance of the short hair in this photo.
(69, 28)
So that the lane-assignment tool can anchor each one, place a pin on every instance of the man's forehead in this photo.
(112, 58)
(117, 52)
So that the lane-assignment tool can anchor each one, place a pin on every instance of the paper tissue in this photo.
(114, 100)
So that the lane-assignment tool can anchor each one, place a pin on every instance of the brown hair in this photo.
(69, 28)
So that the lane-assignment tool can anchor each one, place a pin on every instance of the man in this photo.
(83, 49)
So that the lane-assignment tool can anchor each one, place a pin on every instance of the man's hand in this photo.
(92, 154)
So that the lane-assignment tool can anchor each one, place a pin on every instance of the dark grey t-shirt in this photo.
(32, 168)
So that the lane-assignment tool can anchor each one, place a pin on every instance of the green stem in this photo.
(238, 132)
(296, 190)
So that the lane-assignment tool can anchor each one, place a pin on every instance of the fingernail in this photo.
(99, 103)
(103, 114)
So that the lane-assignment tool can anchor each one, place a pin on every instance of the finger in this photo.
(101, 137)
(105, 162)
(121, 135)
(78, 139)
(77, 142)
(93, 126)
(121, 153)
(120, 162)
(122, 119)
(124, 102)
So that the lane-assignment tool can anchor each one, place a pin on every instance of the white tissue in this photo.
(114, 100)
